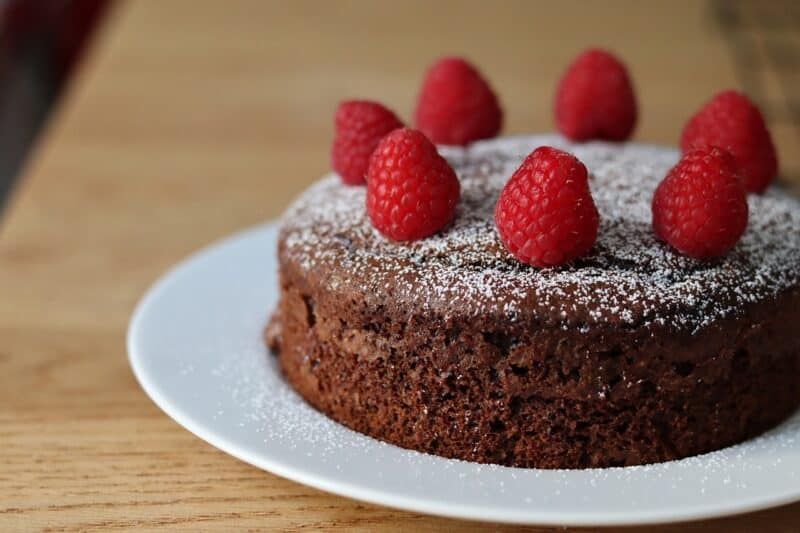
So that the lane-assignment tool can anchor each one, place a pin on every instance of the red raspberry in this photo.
(700, 207)
(731, 121)
(546, 215)
(456, 105)
(412, 191)
(360, 125)
(595, 99)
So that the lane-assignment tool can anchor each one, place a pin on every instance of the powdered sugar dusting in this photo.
(197, 349)
(255, 397)
(629, 278)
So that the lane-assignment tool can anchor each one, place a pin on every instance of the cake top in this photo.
(629, 278)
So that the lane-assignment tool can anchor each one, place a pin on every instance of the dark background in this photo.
(41, 42)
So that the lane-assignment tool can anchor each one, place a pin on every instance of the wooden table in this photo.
(191, 120)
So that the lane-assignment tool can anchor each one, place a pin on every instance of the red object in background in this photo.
(456, 105)
(62, 26)
(360, 125)
(40, 43)
(732, 122)
(595, 98)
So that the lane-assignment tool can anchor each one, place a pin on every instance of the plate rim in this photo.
(355, 492)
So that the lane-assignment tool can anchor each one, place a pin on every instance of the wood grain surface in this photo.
(190, 120)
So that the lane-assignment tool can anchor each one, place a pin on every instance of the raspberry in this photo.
(595, 99)
(731, 121)
(360, 125)
(456, 105)
(546, 215)
(412, 191)
(700, 207)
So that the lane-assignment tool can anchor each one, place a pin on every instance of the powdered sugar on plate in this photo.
(629, 278)
(266, 403)
(195, 345)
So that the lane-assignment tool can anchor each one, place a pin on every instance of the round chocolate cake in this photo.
(448, 345)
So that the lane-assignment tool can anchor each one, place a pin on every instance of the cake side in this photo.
(535, 397)
(632, 354)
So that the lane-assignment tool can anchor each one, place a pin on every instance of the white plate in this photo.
(195, 345)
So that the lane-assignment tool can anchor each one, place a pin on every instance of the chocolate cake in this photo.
(448, 345)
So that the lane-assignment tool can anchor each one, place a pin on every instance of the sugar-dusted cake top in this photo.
(629, 278)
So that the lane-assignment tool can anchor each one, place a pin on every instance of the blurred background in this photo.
(40, 43)
(294, 57)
